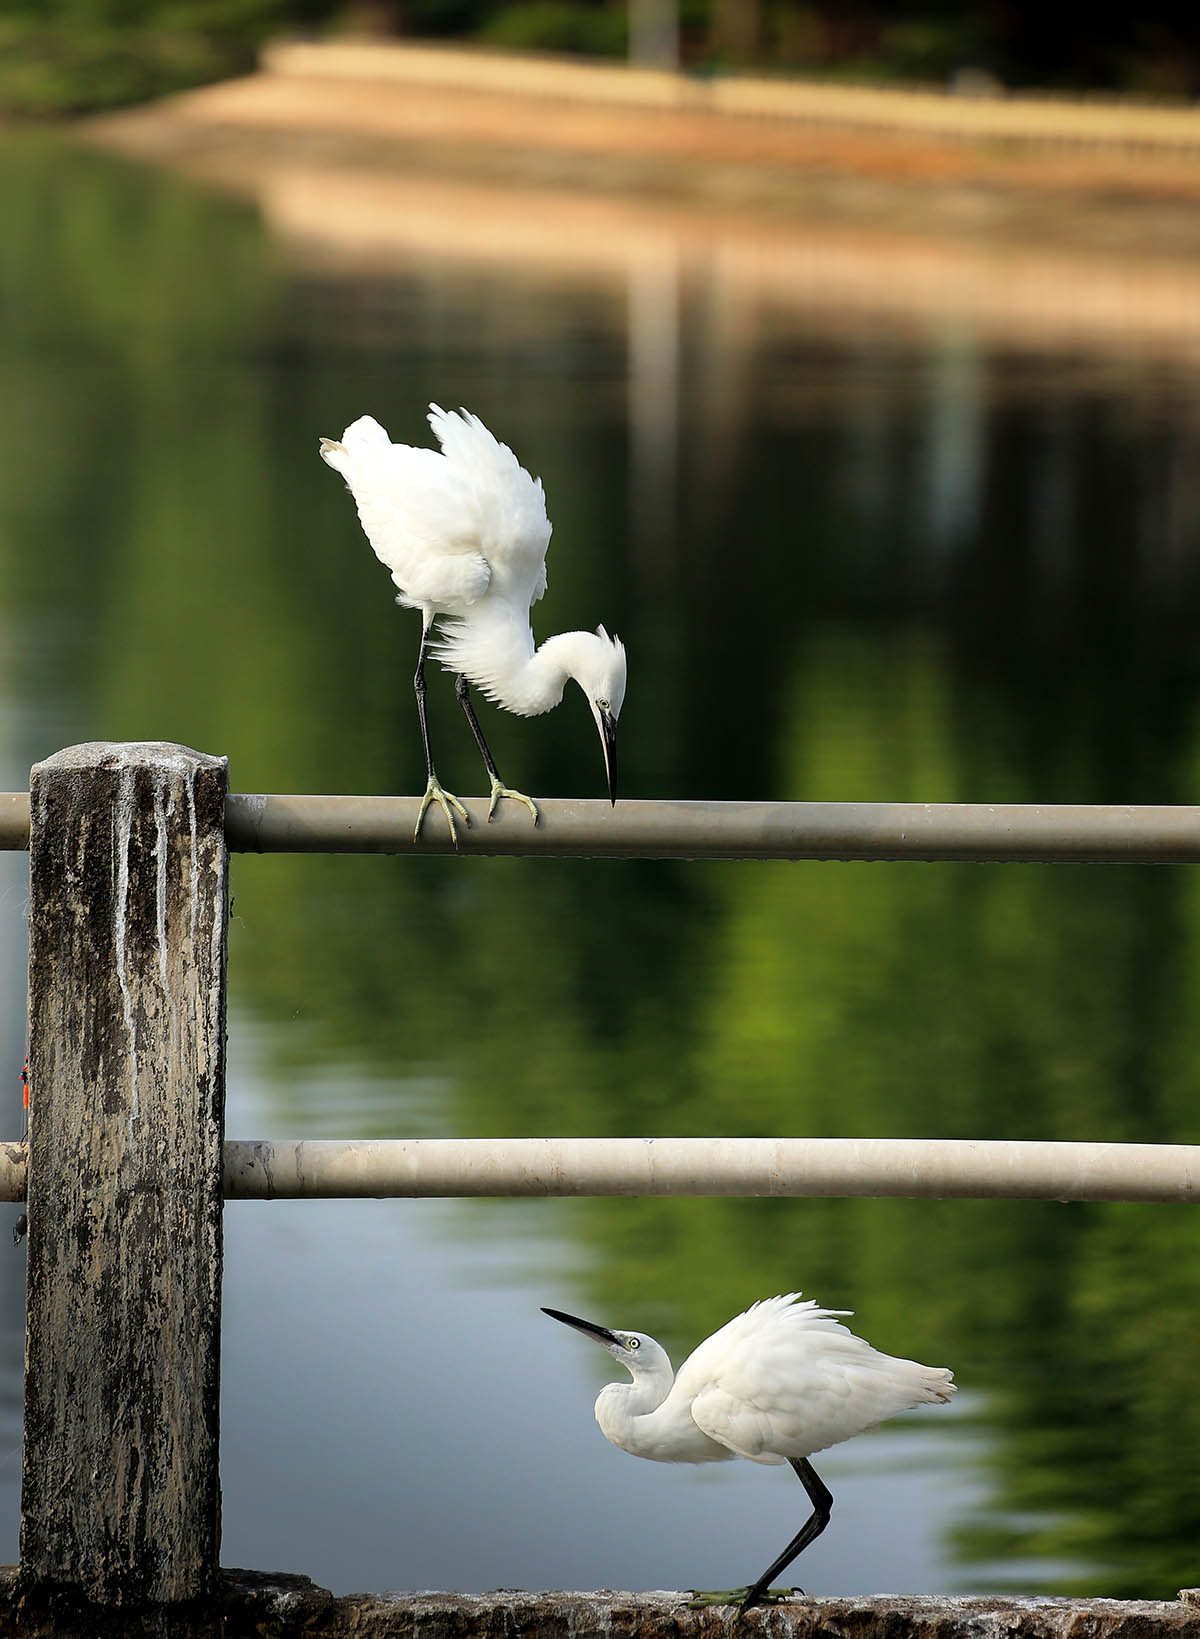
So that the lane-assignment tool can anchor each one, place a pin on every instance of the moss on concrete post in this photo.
(128, 887)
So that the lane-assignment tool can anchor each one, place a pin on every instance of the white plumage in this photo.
(787, 1379)
(444, 523)
(775, 1384)
(463, 531)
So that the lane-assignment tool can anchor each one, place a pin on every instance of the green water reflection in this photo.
(920, 570)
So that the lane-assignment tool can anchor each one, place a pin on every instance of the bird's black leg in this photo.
(433, 787)
(822, 1500)
(463, 690)
(419, 691)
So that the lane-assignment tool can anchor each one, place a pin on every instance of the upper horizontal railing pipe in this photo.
(14, 1170)
(985, 1169)
(724, 830)
(1033, 1170)
(704, 830)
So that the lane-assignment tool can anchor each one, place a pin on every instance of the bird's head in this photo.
(599, 669)
(634, 1350)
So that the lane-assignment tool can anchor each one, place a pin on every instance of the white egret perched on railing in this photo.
(464, 532)
(774, 1384)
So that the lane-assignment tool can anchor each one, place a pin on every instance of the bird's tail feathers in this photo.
(902, 1384)
(365, 434)
(939, 1384)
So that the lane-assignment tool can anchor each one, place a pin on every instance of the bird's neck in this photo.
(494, 651)
(648, 1419)
(621, 1406)
(645, 1418)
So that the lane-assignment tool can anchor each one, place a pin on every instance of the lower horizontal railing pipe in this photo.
(711, 1166)
(1023, 832)
(14, 819)
(723, 830)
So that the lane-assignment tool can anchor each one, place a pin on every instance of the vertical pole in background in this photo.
(128, 886)
(654, 33)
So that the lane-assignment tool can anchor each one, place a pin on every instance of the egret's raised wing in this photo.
(786, 1379)
(509, 503)
(419, 515)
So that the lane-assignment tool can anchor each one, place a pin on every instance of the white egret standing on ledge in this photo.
(464, 532)
(775, 1384)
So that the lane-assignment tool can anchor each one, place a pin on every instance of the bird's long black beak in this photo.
(608, 738)
(601, 1333)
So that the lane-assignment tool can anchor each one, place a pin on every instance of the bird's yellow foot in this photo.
(446, 800)
(769, 1596)
(499, 791)
(739, 1597)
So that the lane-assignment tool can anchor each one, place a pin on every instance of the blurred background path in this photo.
(1029, 215)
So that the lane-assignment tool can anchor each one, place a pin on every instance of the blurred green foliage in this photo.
(559, 25)
(71, 56)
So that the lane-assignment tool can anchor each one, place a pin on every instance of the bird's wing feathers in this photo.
(445, 523)
(510, 505)
(419, 516)
(786, 1379)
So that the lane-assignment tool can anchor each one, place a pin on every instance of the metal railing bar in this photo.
(1023, 832)
(983, 1169)
(726, 830)
(14, 1170)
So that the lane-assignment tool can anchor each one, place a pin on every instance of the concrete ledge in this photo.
(661, 1615)
(912, 110)
(288, 1607)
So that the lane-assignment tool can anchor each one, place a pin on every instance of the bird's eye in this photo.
(633, 1343)
(603, 705)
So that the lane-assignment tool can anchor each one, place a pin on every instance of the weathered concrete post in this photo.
(121, 1494)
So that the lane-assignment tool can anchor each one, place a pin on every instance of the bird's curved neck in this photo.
(652, 1418)
(623, 1403)
(495, 652)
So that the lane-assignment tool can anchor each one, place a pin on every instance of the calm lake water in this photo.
(851, 557)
